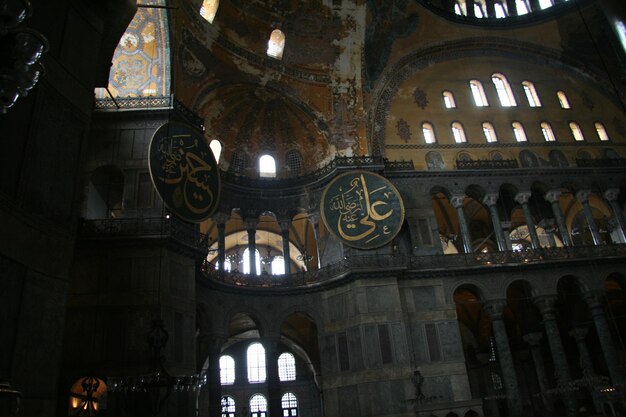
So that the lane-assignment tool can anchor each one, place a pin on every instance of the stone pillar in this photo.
(522, 199)
(534, 5)
(273, 381)
(214, 382)
(490, 200)
(220, 220)
(506, 230)
(611, 196)
(583, 197)
(315, 221)
(251, 228)
(511, 5)
(284, 233)
(554, 197)
(579, 334)
(548, 226)
(606, 340)
(469, 7)
(546, 308)
(533, 340)
(505, 358)
(457, 203)
(491, 11)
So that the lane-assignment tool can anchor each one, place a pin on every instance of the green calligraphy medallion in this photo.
(184, 171)
(363, 209)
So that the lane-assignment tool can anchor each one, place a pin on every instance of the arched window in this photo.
(289, 404)
(563, 101)
(548, 134)
(278, 265)
(500, 9)
(294, 162)
(429, 133)
(601, 131)
(258, 406)
(518, 132)
(459, 8)
(504, 90)
(458, 132)
(267, 166)
(544, 4)
(576, 132)
(531, 94)
(522, 7)
(227, 370)
(228, 406)
(216, 148)
(479, 9)
(286, 367)
(256, 363)
(246, 261)
(209, 9)
(480, 99)
(489, 132)
(448, 100)
(276, 44)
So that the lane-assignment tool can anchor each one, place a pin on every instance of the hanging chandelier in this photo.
(21, 49)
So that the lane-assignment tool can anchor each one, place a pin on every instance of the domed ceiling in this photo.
(258, 120)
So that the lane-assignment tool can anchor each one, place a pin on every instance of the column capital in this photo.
(533, 339)
(220, 218)
(522, 197)
(583, 196)
(545, 304)
(490, 199)
(251, 224)
(457, 200)
(593, 299)
(579, 333)
(611, 194)
(494, 308)
(553, 196)
(285, 224)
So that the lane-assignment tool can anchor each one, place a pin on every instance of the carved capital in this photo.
(545, 304)
(583, 196)
(533, 339)
(220, 218)
(494, 308)
(579, 333)
(593, 299)
(553, 196)
(285, 224)
(611, 194)
(251, 224)
(522, 197)
(490, 199)
(457, 201)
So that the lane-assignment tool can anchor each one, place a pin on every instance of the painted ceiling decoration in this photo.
(141, 62)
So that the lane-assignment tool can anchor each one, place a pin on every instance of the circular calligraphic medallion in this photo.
(362, 209)
(184, 171)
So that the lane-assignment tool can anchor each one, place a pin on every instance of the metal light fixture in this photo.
(23, 48)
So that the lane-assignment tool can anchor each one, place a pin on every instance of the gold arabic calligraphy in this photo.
(361, 208)
(182, 165)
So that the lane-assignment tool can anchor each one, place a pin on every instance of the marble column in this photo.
(491, 200)
(505, 358)
(315, 221)
(534, 341)
(579, 334)
(284, 233)
(457, 203)
(214, 382)
(251, 228)
(611, 356)
(561, 367)
(506, 230)
(583, 197)
(611, 196)
(522, 199)
(273, 380)
(554, 197)
(220, 220)
(548, 226)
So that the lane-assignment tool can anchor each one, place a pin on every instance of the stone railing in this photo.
(601, 163)
(488, 164)
(374, 263)
(173, 228)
